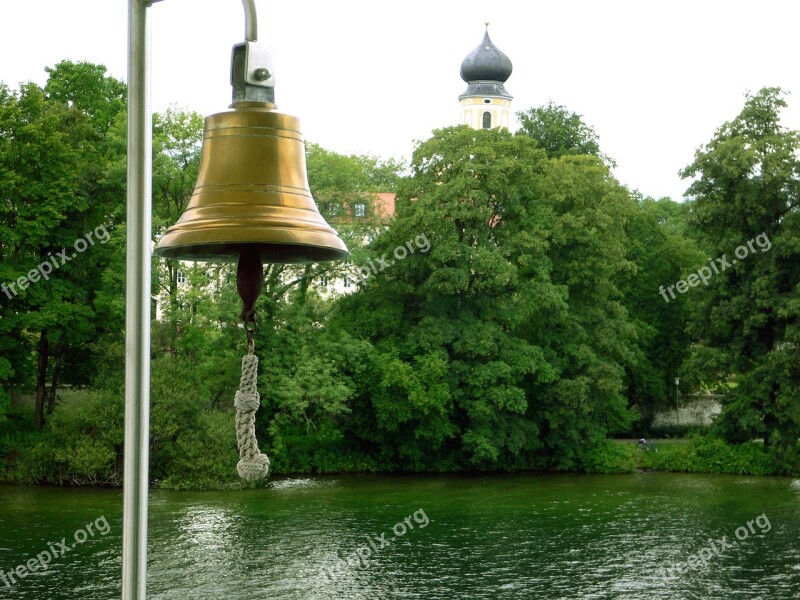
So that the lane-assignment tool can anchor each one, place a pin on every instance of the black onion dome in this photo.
(486, 63)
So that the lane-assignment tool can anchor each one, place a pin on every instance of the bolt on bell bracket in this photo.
(252, 73)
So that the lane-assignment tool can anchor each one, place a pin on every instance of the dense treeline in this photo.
(528, 305)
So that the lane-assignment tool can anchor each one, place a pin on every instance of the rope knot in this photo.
(247, 401)
(254, 467)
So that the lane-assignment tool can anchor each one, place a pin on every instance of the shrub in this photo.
(204, 456)
(81, 444)
(610, 457)
(676, 431)
(708, 454)
(17, 432)
(323, 450)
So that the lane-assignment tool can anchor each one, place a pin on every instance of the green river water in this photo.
(649, 535)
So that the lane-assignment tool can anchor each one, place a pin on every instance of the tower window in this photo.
(487, 120)
(487, 101)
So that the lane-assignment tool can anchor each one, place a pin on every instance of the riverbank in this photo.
(82, 446)
(699, 454)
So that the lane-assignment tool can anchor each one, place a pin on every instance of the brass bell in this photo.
(252, 194)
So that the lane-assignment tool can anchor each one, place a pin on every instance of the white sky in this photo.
(655, 79)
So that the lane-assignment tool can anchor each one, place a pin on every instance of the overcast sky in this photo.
(654, 78)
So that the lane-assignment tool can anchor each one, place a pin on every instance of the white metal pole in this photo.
(250, 21)
(137, 297)
(137, 309)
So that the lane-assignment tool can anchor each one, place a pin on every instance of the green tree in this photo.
(501, 346)
(87, 88)
(659, 246)
(177, 143)
(50, 168)
(55, 213)
(559, 132)
(450, 379)
(745, 190)
(592, 339)
(307, 387)
(658, 251)
(330, 171)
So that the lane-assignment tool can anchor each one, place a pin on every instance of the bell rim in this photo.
(282, 248)
(278, 253)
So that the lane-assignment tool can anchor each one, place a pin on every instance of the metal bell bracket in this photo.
(252, 64)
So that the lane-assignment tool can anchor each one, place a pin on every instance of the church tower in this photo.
(485, 104)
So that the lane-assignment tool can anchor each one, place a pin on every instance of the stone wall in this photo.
(693, 410)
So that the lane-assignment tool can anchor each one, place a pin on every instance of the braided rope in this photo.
(253, 465)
